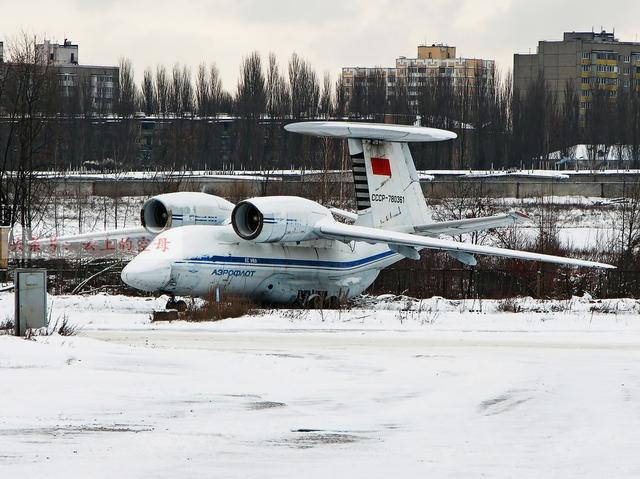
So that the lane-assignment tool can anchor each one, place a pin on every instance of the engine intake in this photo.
(247, 220)
(278, 219)
(183, 208)
(154, 215)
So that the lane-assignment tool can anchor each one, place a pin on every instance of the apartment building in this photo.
(436, 60)
(584, 60)
(86, 83)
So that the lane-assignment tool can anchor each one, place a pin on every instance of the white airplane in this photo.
(287, 249)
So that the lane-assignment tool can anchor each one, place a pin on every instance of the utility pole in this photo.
(4, 240)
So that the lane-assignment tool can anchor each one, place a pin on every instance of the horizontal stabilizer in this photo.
(344, 215)
(457, 227)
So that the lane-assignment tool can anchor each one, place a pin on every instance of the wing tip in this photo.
(520, 215)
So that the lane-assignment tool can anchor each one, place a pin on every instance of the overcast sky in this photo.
(329, 33)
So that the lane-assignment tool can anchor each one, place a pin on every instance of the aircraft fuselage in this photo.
(200, 260)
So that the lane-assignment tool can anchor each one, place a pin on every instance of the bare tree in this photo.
(466, 200)
(162, 89)
(149, 93)
(251, 97)
(341, 99)
(376, 93)
(29, 99)
(625, 244)
(186, 97)
(126, 89)
(599, 128)
(216, 94)
(175, 90)
(203, 95)
(326, 99)
(277, 91)
(399, 98)
(305, 90)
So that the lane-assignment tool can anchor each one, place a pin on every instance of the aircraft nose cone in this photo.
(146, 275)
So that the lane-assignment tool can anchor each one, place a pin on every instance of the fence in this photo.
(456, 283)
(465, 283)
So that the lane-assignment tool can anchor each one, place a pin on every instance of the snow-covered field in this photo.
(394, 388)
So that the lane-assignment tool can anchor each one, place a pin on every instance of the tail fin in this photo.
(388, 192)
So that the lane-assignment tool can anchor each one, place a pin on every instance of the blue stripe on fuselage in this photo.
(310, 263)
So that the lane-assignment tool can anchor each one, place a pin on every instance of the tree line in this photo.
(191, 120)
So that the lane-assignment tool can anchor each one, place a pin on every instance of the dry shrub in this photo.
(66, 327)
(509, 305)
(7, 323)
(210, 310)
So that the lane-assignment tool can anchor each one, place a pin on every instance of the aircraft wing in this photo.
(126, 241)
(397, 241)
(457, 227)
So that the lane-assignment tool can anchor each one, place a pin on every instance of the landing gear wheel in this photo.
(177, 305)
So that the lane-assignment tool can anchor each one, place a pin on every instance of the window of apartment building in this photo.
(625, 70)
(586, 55)
(584, 81)
(635, 57)
(586, 68)
(605, 55)
(607, 68)
(626, 83)
(625, 58)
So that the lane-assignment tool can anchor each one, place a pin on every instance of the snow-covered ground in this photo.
(394, 388)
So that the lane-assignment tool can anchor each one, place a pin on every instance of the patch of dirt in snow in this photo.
(308, 438)
(73, 430)
(259, 405)
(503, 403)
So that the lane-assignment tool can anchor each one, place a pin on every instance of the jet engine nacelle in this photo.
(278, 219)
(183, 208)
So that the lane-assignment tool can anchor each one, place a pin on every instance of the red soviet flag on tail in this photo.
(380, 166)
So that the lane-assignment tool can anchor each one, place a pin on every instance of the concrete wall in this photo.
(134, 187)
(605, 186)
(594, 185)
